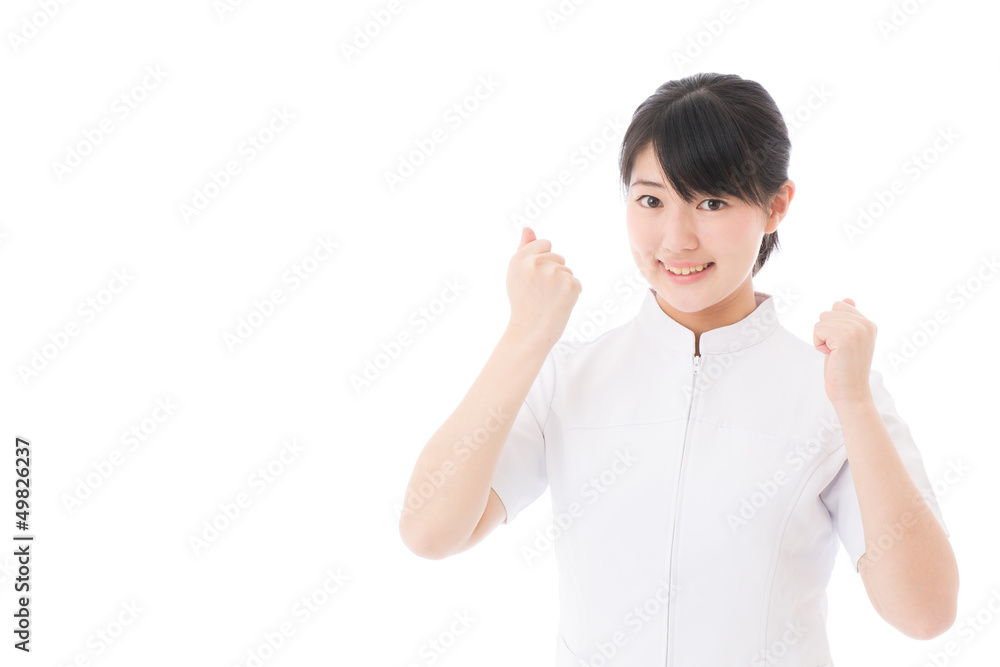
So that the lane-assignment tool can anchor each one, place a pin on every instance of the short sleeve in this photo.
(520, 476)
(840, 496)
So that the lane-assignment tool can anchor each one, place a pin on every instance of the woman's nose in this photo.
(678, 234)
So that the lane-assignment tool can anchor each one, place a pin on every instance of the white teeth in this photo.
(684, 272)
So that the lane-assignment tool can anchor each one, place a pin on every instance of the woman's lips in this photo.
(689, 278)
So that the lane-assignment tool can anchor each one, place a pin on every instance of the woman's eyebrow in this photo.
(652, 184)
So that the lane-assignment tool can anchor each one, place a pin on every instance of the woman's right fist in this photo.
(541, 288)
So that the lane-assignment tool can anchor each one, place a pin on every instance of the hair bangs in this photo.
(700, 149)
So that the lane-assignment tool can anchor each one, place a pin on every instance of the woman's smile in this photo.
(693, 274)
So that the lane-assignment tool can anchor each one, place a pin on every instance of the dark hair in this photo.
(713, 134)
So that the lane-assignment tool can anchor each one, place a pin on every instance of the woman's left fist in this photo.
(847, 338)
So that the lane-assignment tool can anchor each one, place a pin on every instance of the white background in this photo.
(335, 505)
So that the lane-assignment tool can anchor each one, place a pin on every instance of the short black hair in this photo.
(714, 135)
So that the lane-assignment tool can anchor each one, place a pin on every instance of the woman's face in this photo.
(663, 230)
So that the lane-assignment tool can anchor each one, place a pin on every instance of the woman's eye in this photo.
(718, 201)
(647, 197)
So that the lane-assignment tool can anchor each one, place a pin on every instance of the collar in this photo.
(666, 331)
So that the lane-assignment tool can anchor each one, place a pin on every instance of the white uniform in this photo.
(700, 496)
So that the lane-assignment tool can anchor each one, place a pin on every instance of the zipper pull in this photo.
(697, 363)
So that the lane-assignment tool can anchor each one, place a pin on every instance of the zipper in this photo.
(696, 366)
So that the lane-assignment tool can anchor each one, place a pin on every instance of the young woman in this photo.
(702, 460)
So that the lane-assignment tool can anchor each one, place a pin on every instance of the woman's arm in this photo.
(439, 520)
(913, 582)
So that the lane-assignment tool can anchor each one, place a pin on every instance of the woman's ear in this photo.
(779, 205)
